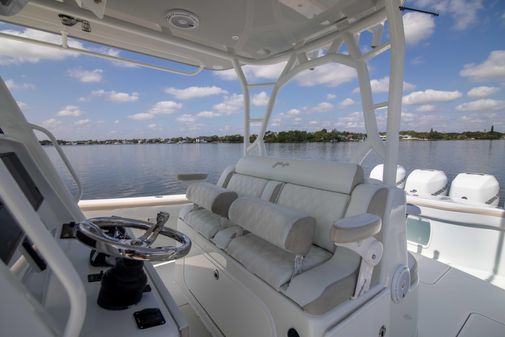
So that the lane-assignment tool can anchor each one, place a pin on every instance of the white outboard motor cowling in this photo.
(426, 183)
(401, 173)
(476, 189)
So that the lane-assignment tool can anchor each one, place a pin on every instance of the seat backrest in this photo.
(320, 189)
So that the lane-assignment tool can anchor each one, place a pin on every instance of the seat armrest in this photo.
(356, 233)
(355, 228)
(211, 197)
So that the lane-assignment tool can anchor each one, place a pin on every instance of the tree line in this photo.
(295, 136)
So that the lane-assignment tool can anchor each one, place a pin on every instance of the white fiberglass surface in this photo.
(448, 297)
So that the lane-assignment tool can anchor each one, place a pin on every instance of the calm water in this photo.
(108, 171)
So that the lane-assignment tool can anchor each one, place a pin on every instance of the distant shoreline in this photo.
(294, 136)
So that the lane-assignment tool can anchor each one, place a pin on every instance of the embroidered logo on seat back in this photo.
(280, 163)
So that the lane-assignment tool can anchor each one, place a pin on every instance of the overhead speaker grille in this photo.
(182, 19)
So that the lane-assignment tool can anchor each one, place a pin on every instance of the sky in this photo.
(454, 81)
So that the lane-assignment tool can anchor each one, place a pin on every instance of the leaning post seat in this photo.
(296, 227)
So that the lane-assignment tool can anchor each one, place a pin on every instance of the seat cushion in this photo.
(284, 227)
(245, 185)
(325, 206)
(322, 288)
(205, 222)
(270, 263)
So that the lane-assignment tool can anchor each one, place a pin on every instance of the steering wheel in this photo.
(107, 235)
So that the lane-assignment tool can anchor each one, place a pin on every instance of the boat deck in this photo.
(451, 302)
(454, 303)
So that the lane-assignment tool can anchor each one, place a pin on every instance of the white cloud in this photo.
(260, 99)
(160, 108)
(482, 104)
(69, 111)
(331, 96)
(165, 108)
(417, 27)
(208, 114)
(16, 52)
(482, 120)
(116, 121)
(482, 91)
(116, 53)
(430, 96)
(331, 74)
(493, 68)
(382, 85)
(291, 113)
(230, 105)
(345, 103)
(154, 126)
(51, 123)
(82, 122)
(353, 120)
(186, 119)
(463, 12)
(194, 92)
(113, 96)
(141, 116)
(322, 107)
(265, 72)
(12, 85)
(426, 108)
(86, 76)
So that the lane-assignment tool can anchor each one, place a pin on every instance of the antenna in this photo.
(404, 8)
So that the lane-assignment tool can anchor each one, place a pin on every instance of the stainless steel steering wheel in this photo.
(92, 232)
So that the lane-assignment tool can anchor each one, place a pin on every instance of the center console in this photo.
(49, 286)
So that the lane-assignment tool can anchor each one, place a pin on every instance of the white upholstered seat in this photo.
(272, 264)
(323, 191)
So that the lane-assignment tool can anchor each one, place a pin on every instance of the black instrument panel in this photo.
(11, 234)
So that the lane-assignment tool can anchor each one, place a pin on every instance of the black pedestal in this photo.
(122, 285)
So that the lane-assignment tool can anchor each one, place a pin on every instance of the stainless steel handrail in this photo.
(64, 46)
(63, 157)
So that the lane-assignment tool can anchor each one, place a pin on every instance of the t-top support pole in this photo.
(397, 38)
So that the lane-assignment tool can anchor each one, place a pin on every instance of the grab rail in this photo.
(62, 156)
(64, 46)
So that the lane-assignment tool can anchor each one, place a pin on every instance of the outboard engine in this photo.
(476, 189)
(401, 173)
(427, 183)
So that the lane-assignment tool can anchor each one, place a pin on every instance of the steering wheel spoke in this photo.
(108, 235)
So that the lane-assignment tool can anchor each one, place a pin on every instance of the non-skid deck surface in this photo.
(453, 303)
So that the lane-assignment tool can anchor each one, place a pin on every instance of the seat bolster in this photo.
(211, 197)
(286, 228)
(185, 210)
(323, 287)
(205, 222)
(223, 238)
(355, 228)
